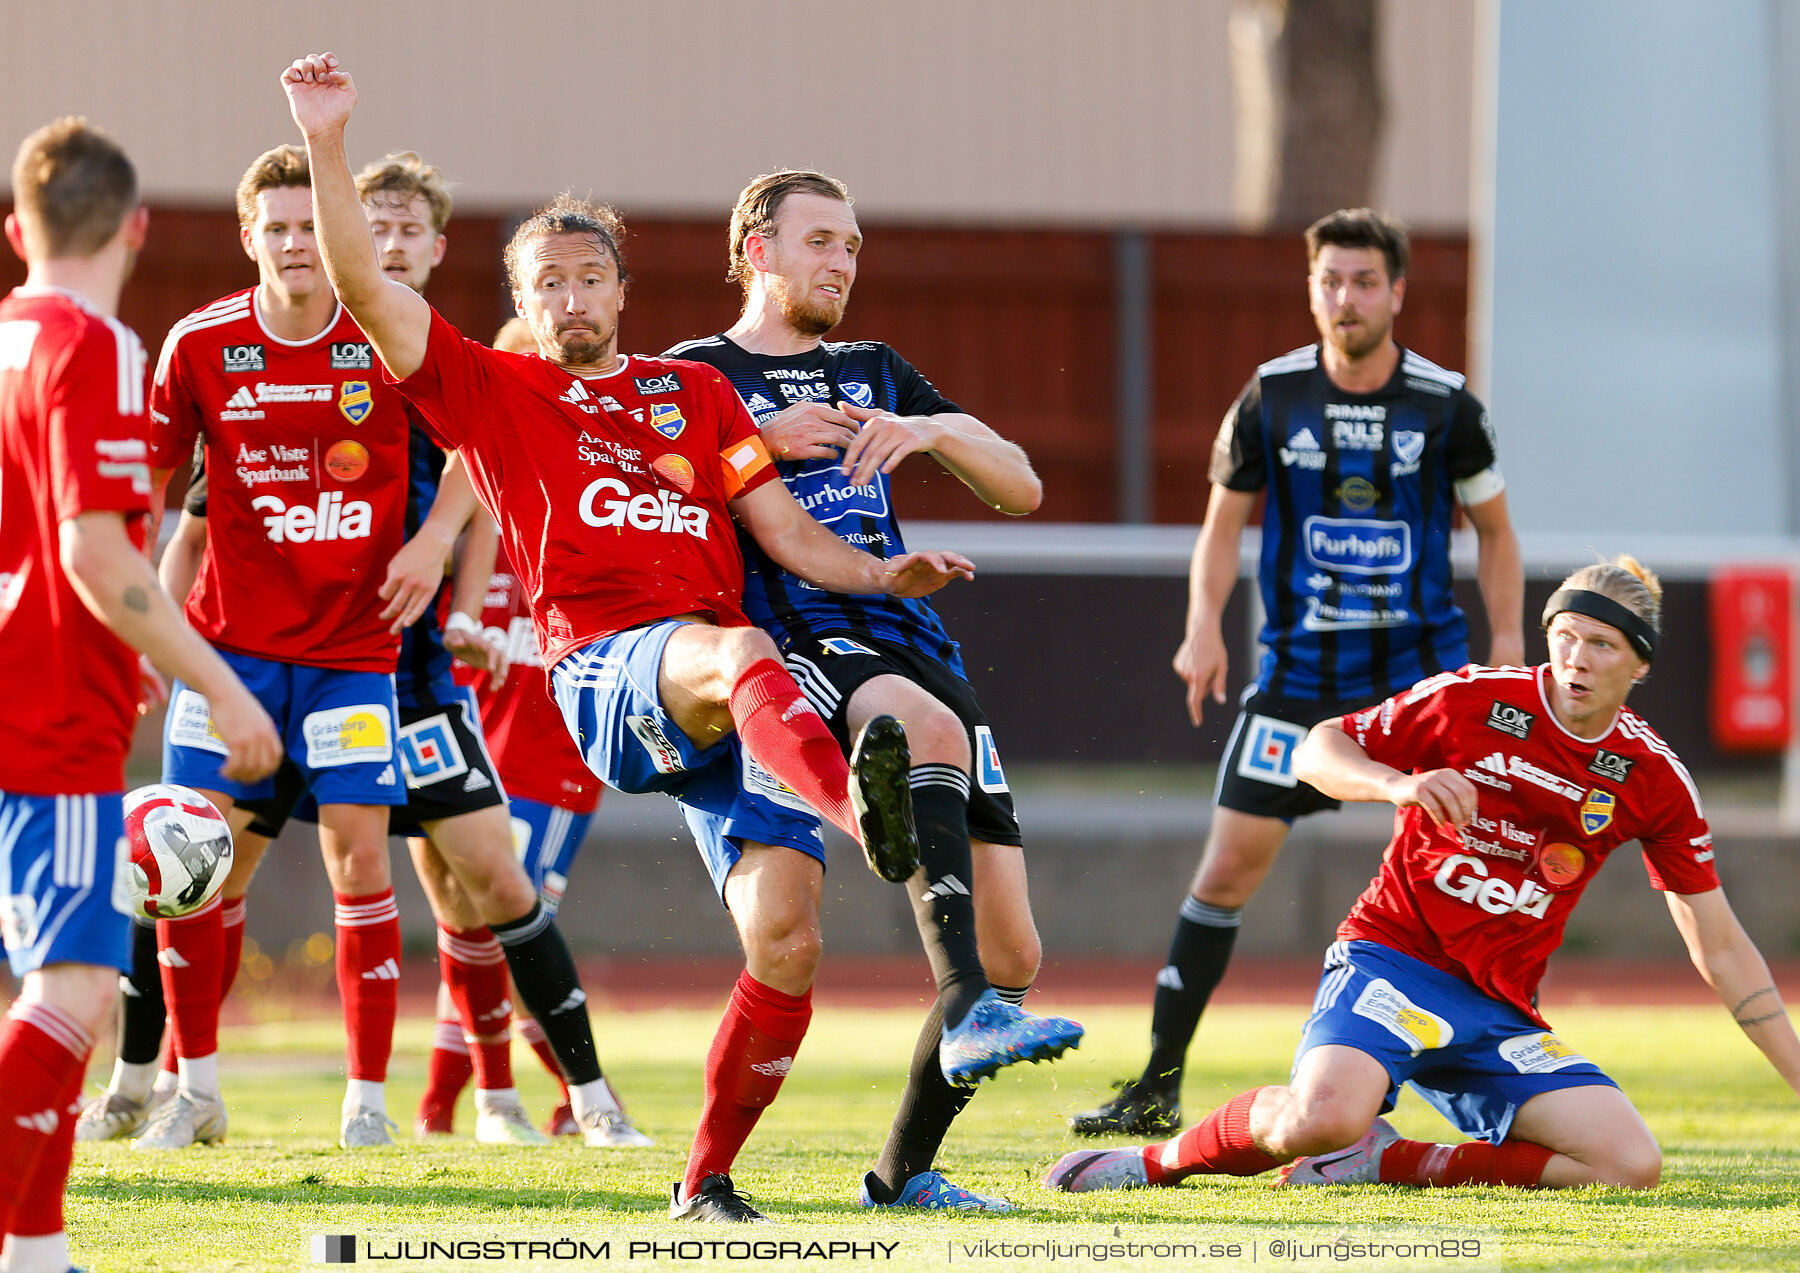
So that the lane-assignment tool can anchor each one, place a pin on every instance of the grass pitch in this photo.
(1729, 1129)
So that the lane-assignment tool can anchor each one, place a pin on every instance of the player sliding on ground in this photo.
(613, 479)
(1513, 785)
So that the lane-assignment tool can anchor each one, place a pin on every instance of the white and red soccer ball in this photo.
(180, 851)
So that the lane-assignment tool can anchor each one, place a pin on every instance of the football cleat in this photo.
(366, 1128)
(1137, 1109)
(995, 1034)
(611, 1129)
(114, 1116)
(929, 1191)
(503, 1122)
(1087, 1170)
(715, 1202)
(1360, 1164)
(881, 794)
(186, 1120)
(562, 1121)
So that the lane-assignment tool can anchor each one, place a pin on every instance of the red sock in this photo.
(191, 951)
(231, 919)
(368, 978)
(43, 1054)
(786, 736)
(1427, 1165)
(750, 1056)
(1217, 1145)
(474, 970)
(533, 1034)
(447, 1073)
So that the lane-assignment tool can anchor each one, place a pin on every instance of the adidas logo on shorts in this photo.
(476, 781)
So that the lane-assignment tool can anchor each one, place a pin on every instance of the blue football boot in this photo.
(929, 1191)
(996, 1034)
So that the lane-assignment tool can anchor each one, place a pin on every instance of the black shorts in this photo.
(1256, 775)
(830, 667)
(444, 757)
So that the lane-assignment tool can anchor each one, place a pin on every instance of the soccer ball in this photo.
(180, 848)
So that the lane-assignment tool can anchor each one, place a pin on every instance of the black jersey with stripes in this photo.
(1355, 571)
(422, 676)
(868, 374)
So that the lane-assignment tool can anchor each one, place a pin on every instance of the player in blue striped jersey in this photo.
(838, 418)
(1365, 450)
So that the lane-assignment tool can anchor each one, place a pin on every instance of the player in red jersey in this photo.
(1513, 785)
(307, 458)
(77, 597)
(551, 794)
(612, 478)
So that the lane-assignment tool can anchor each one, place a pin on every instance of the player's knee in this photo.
(935, 735)
(1013, 962)
(86, 992)
(1301, 1129)
(1632, 1164)
(739, 648)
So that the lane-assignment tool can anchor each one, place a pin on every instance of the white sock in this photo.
(132, 1080)
(488, 1098)
(167, 1080)
(46, 1254)
(596, 1095)
(362, 1094)
(199, 1074)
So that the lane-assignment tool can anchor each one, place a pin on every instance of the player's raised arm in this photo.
(1737, 972)
(791, 536)
(392, 315)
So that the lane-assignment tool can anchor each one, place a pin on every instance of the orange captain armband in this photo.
(742, 462)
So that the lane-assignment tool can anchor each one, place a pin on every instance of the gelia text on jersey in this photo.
(663, 512)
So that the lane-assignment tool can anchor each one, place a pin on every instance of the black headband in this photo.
(1595, 606)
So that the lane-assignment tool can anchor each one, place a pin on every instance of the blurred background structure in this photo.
(1083, 224)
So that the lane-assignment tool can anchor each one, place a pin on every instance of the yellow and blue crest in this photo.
(666, 419)
(356, 400)
(1597, 811)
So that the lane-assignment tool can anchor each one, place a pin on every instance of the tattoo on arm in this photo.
(137, 600)
(1748, 999)
(1766, 990)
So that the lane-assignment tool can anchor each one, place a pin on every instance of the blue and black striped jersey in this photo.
(1355, 572)
(868, 374)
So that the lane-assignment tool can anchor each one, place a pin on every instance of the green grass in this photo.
(1729, 1130)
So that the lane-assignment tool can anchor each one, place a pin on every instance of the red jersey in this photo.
(610, 491)
(1488, 902)
(306, 452)
(525, 732)
(71, 441)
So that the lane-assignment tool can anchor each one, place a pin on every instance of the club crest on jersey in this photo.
(1409, 445)
(1597, 811)
(670, 383)
(356, 400)
(666, 419)
(1510, 720)
(855, 391)
(1610, 764)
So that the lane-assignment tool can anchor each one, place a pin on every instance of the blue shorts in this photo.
(337, 728)
(608, 697)
(547, 839)
(63, 872)
(1474, 1059)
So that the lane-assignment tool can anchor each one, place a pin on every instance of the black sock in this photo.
(141, 1010)
(939, 890)
(1198, 957)
(543, 972)
(927, 1108)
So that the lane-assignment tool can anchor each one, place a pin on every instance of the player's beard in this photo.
(806, 316)
(1362, 342)
(583, 345)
